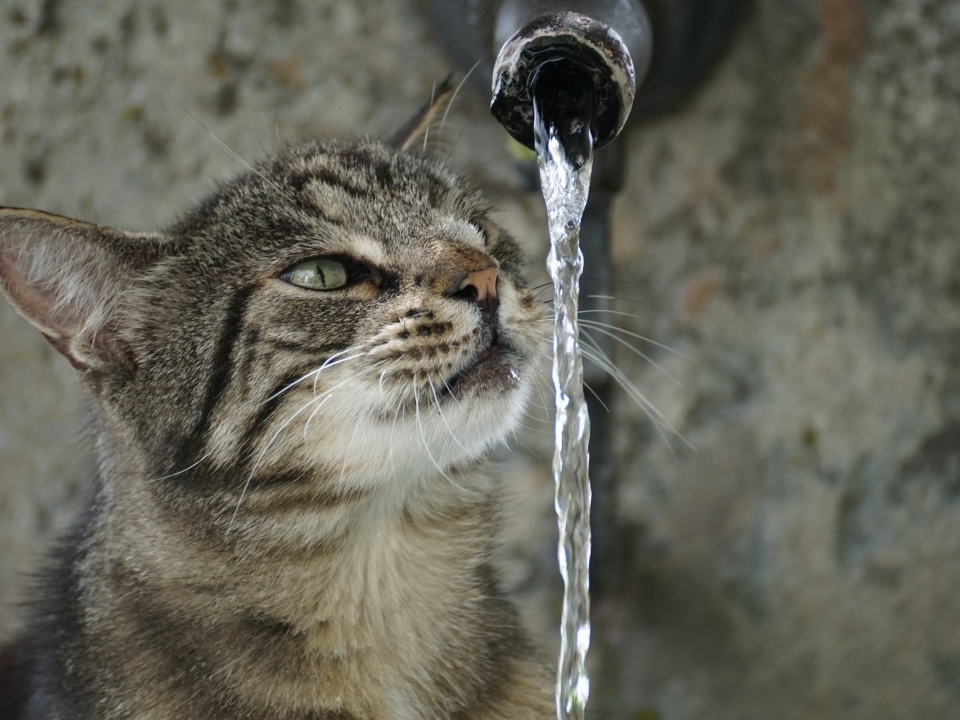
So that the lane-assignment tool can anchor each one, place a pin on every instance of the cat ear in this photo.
(67, 277)
(414, 135)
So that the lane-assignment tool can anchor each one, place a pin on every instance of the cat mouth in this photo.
(489, 372)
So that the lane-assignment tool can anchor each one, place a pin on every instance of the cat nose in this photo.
(479, 286)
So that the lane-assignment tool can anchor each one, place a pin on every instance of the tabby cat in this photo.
(296, 388)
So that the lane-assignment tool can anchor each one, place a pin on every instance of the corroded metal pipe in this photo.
(689, 36)
(612, 45)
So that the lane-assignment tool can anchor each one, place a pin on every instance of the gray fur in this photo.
(292, 518)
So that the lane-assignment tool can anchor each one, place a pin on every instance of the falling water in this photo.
(563, 101)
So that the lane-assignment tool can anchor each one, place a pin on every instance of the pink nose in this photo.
(481, 287)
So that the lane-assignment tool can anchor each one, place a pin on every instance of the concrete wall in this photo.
(791, 232)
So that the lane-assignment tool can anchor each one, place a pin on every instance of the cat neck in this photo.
(357, 554)
(400, 586)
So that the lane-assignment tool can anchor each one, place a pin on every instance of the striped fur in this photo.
(293, 518)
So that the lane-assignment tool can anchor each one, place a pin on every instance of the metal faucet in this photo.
(646, 56)
(611, 46)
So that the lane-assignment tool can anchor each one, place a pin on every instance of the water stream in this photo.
(563, 102)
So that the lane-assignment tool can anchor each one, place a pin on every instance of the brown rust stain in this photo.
(699, 293)
(288, 73)
(824, 132)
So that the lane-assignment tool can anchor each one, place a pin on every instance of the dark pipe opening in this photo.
(565, 99)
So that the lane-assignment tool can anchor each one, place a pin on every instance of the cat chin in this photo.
(491, 373)
(429, 438)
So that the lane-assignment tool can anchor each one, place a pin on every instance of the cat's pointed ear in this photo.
(415, 134)
(68, 277)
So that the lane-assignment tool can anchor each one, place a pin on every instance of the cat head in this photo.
(342, 320)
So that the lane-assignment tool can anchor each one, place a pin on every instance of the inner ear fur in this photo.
(68, 279)
(413, 136)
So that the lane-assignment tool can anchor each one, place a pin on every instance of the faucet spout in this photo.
(597, 59)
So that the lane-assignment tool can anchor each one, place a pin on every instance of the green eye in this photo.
(318, 274)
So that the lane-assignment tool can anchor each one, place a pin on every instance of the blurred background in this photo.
(791, 231)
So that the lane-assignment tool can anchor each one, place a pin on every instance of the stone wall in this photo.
(791, 232)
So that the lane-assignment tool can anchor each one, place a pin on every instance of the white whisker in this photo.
(426, 130)
(450, 392)
(453, 98)
(226, 148)
(594, 323)
(329, 362)
(423, 437)
(594, 393)
(181, 472)
(316, 373)
(594, 353)
(326, 399)
(436, 399)
(596, 328)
